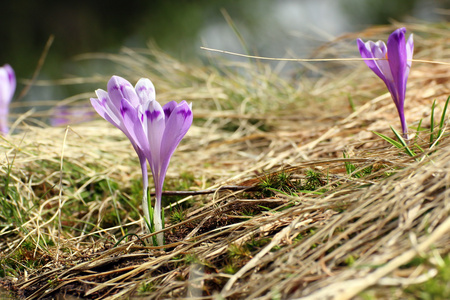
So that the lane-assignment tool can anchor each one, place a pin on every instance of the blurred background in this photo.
(276, 28)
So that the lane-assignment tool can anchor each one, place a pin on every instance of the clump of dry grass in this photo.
(310, 224)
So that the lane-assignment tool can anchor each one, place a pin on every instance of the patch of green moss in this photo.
(436, 288)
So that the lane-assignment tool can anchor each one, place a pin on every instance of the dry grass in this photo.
(305, 228)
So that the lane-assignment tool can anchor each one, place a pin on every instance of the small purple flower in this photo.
(64, 115)
(393, 66)
(154, 131)
(108, 105)
(7, 89)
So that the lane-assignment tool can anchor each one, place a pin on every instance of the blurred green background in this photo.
(269, 27)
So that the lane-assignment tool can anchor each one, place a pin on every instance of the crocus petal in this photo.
(168, 108)
(154, 117)
(366, 52)
(145, 90)
(154, 121)
(376, 50)
(133, 125)
(398, 61)
(177, 125)
(7, 89)
(106, 109)
(409, 51)
(177, 122)
(7, 84)
(108, 116)
(120, 88)
(100, 109)
(379, 51)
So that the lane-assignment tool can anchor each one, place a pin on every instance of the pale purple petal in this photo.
(366, 52)
(177, 125)
(168, 108)
(133, 125)
(154, 125)
(108, 108)
(154, 120)
(7, 89)
(376, 50)
(7, 84)
(380, 52)
(145, 90)
(100, 109)
(409, 51)
(11, 78)
(120, 88)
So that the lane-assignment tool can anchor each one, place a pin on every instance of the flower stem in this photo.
(158, 222)
(404, 128)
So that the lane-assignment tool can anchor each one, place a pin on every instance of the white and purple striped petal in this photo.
(119, 88)
(177, 125)
(145, 90)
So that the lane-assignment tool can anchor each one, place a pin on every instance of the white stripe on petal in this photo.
(409, 50)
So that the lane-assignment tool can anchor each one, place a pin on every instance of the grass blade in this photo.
(389, 140)
(403, 143)
(432, 122)
(444, 112)
(419, 127)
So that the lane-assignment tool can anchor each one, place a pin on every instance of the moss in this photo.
(436, 288)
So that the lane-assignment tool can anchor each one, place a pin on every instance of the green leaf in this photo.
(432, 121)
(404, 144)
(419, 127)
(350, 101)
(400, 145)
(278, 191)
(389, 140)
(444, 111)
(311, 192)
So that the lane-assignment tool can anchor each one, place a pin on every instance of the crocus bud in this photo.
(392, 66)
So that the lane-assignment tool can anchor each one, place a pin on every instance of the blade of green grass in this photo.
(444, 112)
(432, 122)
(403, 143)
(389, 140)
(419, 126)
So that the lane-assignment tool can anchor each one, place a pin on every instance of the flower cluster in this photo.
(392, 66)
(154, 131)
(7, 89)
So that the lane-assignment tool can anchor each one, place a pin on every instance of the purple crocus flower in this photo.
(108, 105)
(154, 131)
(157, 131)
(393, 66)
(7, 89)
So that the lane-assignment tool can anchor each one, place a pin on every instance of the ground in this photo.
(286, 189)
